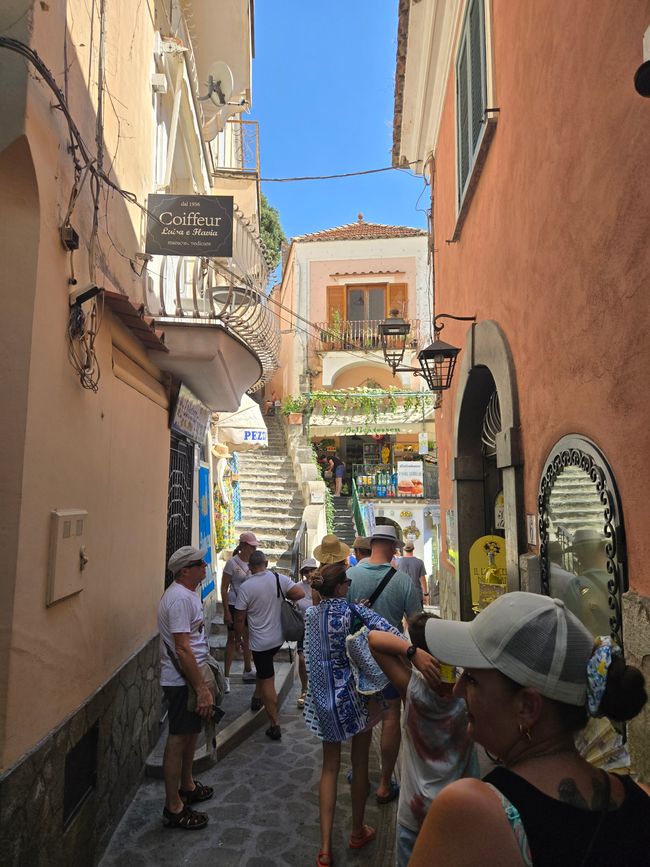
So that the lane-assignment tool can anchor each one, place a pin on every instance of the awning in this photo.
(243, 428)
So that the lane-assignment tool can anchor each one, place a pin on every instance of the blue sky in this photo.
(323, 80)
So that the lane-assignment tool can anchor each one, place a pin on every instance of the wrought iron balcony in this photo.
(357, 335)
(239, 150)
(223, 339)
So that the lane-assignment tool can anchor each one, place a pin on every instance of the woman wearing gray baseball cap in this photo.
(531, 676)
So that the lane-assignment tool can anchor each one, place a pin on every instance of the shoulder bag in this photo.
(293, 626)
(212, 675)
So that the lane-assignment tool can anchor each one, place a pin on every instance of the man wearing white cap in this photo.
(183, 648)
(393, 600)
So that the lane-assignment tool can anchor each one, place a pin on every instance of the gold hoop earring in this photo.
(525, 732)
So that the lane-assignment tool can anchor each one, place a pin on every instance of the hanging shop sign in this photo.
(487, 568)
(410, 479)
(191, 416)
(189, 225)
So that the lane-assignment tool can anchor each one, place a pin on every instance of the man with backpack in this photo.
(391, 594)
(259, 600)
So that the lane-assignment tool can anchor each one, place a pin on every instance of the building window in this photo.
(80, 774)
(367, 302)
(471, 92)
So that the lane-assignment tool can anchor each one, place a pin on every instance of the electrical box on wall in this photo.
(68, 537)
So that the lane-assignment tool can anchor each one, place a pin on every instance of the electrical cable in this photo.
(342, 174)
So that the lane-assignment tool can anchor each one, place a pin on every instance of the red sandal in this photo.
(367, 835)
(321, 863)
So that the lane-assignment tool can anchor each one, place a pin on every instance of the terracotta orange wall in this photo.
(320, 277)
(556, 245)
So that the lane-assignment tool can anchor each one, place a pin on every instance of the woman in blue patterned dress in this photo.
(334, 710)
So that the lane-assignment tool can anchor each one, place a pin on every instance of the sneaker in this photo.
(301, 699)
(274, 733)
(226, 685)
(248, 677)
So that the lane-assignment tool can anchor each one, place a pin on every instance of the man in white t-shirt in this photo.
(259, 601)
(183, 648)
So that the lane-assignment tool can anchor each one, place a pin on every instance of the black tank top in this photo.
(559, 834)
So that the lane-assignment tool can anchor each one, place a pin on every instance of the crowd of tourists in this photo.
(520, 680)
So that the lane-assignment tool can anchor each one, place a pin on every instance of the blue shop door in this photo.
(205, 528)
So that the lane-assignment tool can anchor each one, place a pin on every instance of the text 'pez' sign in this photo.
(189, 225)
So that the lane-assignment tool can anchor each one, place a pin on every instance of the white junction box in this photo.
(68, 536)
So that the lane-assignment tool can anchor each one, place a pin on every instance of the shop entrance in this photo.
(486, 470)
(179, 498)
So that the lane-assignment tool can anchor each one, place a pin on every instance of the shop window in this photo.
(582, 539)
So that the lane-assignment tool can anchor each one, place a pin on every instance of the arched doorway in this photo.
(488, 488)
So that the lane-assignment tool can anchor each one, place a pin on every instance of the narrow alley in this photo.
(264, 810)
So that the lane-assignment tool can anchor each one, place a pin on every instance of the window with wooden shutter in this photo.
(471, 91)
(335, 302)
(398, 299)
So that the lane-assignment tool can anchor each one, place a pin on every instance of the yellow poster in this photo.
(487, 569)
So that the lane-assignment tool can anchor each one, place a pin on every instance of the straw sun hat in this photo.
(331, 550)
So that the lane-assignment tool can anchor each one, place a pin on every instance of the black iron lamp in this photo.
(438, 360)
(393, 333)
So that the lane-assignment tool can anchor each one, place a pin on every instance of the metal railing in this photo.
(240, 153)
(357, 335)
(356, 511)
(298, 551)
(195, 288)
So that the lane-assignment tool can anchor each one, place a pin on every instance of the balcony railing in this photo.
(191, 289)
(361, 335)
(239, 151)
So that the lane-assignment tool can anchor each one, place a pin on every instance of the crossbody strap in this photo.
(375, 596)
(173, 660)
(279, 591)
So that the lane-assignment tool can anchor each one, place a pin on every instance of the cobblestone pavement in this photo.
(264, 811)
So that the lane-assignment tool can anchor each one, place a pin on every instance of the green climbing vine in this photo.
(370, 403)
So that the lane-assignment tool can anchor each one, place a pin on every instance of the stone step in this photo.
(238, 724)
(279, 498)
(218, 649)
(267, 510)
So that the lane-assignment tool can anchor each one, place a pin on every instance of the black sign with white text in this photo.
(189, 225)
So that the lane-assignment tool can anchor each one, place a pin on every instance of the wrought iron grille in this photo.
(179, 499)
(578, 453)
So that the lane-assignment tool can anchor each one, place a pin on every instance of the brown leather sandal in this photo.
(186, 820)
(198, 793)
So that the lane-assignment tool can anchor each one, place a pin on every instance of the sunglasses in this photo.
(196, 563)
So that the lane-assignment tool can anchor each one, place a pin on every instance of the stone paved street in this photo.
(264, 812)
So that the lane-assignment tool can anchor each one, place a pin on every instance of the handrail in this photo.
(194, 288)
(298, 550)
(356, 511)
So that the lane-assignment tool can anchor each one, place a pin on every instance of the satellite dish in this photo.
(220, 84)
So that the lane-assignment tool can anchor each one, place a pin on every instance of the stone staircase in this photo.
(344, 528)
(272, 504)
(272, 508)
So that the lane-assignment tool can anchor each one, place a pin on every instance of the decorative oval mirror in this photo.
(582, 542)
